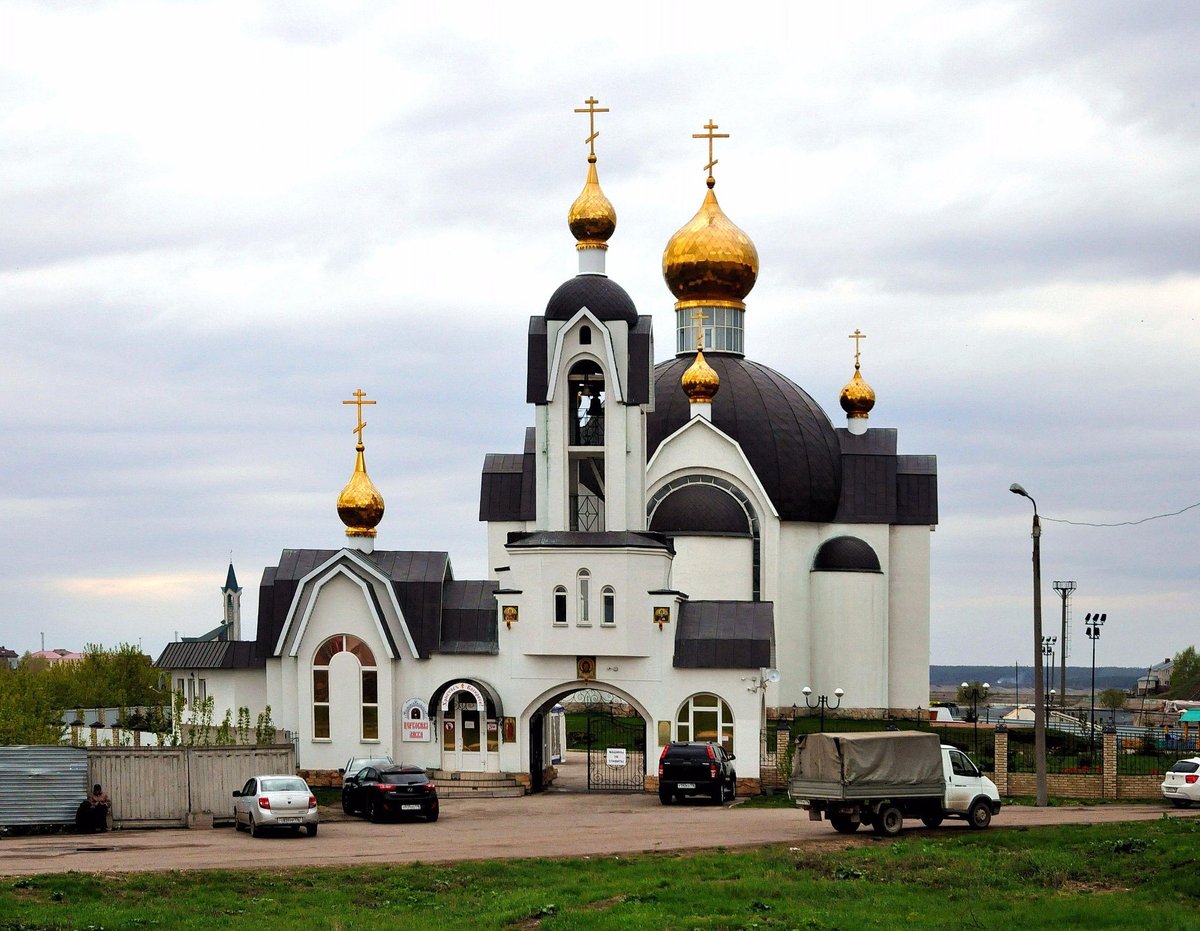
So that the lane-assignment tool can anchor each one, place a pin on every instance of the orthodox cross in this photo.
(857, 335)
(710, 136)
(359, 394)
(591, 110)
(699, 316)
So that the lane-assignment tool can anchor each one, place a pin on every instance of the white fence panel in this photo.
(146, 785)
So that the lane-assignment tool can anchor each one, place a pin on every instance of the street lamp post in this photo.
(823, 702)
(1039, 712)
(975, 693)
(1094, 623)
(1064, 590)
(1048, 651)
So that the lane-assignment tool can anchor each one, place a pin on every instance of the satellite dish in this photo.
(772, 675)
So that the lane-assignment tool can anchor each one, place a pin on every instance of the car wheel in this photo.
(843, 824)
(718, 795)
(373, 811)
(980, 815)
(347, 808)
(889, 822)
(665, 797)
(932, 821)
(237, 825)
(312, 829)
(432, 816)
(254, 829)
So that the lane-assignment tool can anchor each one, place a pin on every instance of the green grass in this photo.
(1139, 875)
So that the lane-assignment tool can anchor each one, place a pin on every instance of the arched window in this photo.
(368, 686)
(609, 617)
(585, 336)
(705, 717)
(560, 605)
(583, 582)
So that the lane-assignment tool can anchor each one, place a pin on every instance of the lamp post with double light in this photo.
(822, 702)
(1048, 651)
(1039, 710)
(1094, 623)
(974, 691)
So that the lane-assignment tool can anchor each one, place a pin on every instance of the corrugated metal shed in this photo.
(41, 785)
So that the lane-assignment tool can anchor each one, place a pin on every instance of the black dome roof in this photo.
(606, 299)
(846, 554)
(700, 509)
(785, 434)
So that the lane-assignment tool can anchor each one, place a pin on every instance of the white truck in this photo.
(880, 778)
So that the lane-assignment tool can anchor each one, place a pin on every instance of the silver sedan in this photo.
(269, 802)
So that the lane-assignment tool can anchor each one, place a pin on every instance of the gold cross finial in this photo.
(591, 110)
(857, 335)
(359, 401)
(699, 316)
(710, 136)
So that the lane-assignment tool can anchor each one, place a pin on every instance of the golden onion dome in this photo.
(857, 398)
(700, 382)
(360, 505)
(592, 218)
(710, 261)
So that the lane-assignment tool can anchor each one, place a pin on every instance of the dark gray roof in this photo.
(785, 434)
(880, 487)
(641, 361)
(231, 584)
(725, 635)
(579, 539)
(846, 554)
(506, 490)
(606, 299)
(469, 618)
(212, 654)
(700, 509)
(418, 578)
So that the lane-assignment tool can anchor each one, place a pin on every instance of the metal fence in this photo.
(41, 785)
(1149, 753)
(1067, 752)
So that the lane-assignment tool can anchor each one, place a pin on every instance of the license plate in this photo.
(1170, 788)
(410, 807)
(686, 785)
(289, 820)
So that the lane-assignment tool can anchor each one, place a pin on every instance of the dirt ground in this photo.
(552, 824)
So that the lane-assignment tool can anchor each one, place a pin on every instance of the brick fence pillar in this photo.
(1000, 750)
(1110, 762)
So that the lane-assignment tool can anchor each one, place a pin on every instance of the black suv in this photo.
(379, 791)
(696, 769)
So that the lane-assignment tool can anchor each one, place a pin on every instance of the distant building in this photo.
(1157, 678)
(9, 656)
(57, 656)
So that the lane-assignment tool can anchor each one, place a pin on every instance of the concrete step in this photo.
(476, 785)
(451, 791)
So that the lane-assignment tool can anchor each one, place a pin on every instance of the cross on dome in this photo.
(857, 336)
(710, 135)
(359, 395)
(591, 110)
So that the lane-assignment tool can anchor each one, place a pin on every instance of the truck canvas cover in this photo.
(886, 759)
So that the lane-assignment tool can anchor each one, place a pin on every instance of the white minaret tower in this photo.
(231, 606)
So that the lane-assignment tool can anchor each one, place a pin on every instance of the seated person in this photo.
(94, 811)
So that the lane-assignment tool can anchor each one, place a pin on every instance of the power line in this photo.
(1124, 523)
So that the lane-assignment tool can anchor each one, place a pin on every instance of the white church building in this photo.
(694, 537)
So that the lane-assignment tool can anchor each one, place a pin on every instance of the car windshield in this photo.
(1185, 766)
(284, 784)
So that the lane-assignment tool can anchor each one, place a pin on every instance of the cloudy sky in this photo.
(219, 219)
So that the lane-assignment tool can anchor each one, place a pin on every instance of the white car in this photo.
(1181, 786)
(269, 802)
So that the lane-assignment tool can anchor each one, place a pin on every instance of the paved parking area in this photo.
(547, 825)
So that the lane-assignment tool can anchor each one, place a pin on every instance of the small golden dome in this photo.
(592, 218)
(857, 398)
(710, 261)
(360, 505)
(700, 382)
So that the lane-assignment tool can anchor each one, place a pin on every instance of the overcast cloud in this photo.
(219, 219)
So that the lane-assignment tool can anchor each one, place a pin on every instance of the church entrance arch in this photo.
(599, 735)
(469, 713)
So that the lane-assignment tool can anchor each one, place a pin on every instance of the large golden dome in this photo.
(700, 381)
(710, 261)
(360, 505)
(592, 218)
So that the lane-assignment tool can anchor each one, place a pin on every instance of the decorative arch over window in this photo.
(368, 686)
(733, 491)
(705, 716)
(609, 616)
(560, 605)
(583, 581)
